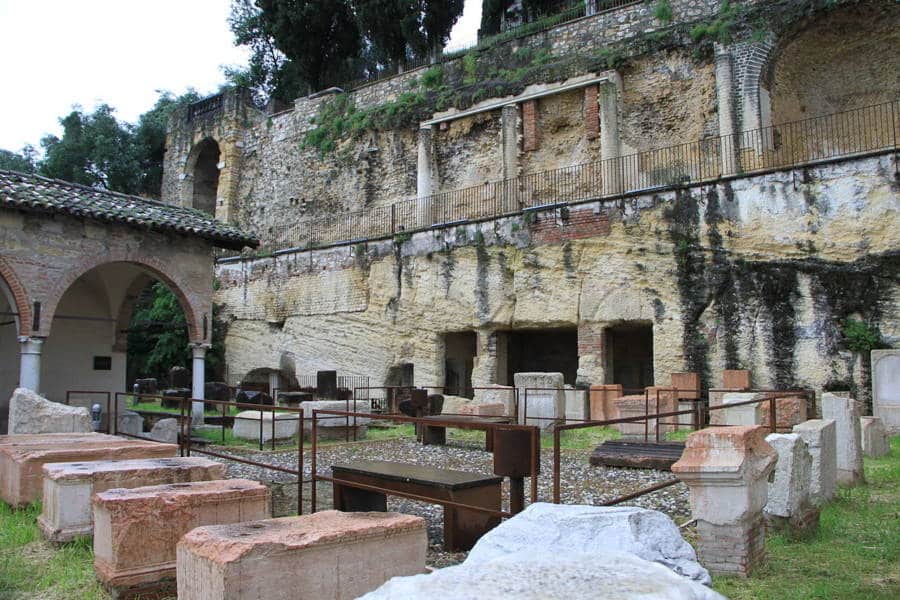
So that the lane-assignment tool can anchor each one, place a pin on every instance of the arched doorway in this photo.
(9, 353)
(204, 169)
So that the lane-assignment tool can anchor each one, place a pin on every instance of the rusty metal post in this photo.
(312, 490)
(300, 466)
(535, 466)
(772, 419)
(646, 417)
(556, 466)
(656, 421)
(260, 427)
(273, 423)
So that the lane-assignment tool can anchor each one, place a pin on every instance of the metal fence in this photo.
(861, 131)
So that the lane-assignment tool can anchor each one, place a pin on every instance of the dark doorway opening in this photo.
(630, 355)
(543, 350)
(459, 359)
(206, 177)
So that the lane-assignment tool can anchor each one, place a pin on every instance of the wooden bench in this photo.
(462, 527)
(437, 434)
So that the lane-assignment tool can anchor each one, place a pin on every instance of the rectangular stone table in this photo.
(328, 554)
(462, 527)
(68, 487)
(136, 530)
(437, 434)
(22, 458)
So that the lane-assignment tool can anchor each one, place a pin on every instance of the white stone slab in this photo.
(845, 414)
(30, 412)
(748, 414)
(789, 489)
(247, 425)
(821, 441)
(546, 402)
(875, 442)
(886, 388)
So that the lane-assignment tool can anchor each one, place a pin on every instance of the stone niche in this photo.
(886, 388)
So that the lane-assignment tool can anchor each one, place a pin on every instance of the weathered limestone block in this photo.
(30, 412)
(638, 405)
(746, 414)
(789, 503)
(136, 530)
(247, 425)
(540, 574)
(603, 406)
(561, 529)
(165, 431)
(688, 391)
(485, 410)
(68, 487)
(546, 405)
(736, 379)
(875, 442)
(577, 407)
(789, 411)
(498, 393)
(22, 458)
(727, 469)
(821, 442)
(886, 388)
(328, 554)
(845, 414)
(130, 423)
(333, 427)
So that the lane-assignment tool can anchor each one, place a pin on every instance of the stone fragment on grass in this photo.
(30, 412)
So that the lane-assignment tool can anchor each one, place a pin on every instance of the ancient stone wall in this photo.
(756, 272)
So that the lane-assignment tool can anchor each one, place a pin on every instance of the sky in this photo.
(55, 54)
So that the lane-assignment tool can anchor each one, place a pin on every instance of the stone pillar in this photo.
(484, 368)
(727, 470)
(746, 414)
(609, 136)
(729, 145)
(591, 354)
(845, 414)
(426, 172)
(875, 442)
(789, 505)
(198, 382)
(30, 363)
(509, 142)
(820, 439)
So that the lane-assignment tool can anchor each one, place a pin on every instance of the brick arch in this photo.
(190, 169)
(19, 296)
(193, 314)
(126, 310)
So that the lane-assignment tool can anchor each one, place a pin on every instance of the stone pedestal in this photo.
(789, 411)
(875, 442)
(247, 425)
(688, 391)
(886, 388)
(821, 442)
(22, 458)
(68, 487)
(333, 427)
(546, 403)
(845, 414)
(789, 505)
(603, 405)
(746, 414)
(727, 470)
(498, 393)
(136, 530)
(328, 554)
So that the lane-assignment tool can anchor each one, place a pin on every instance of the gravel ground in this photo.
(580, 482)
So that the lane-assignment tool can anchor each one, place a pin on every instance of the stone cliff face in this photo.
(757, 273)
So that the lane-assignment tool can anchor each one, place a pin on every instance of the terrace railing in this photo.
(861, 131)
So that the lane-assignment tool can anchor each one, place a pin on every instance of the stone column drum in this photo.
(136, 531)
(727, 470)
(68, 487)
(328, 554)
(845, 414)
(821, 440)
(789, 505)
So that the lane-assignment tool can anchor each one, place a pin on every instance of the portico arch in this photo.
(16, 298)
(202, 173)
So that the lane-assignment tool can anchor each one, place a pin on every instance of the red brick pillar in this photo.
(529, 125)
(591, 113)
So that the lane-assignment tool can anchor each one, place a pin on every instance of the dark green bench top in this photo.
(407, 473)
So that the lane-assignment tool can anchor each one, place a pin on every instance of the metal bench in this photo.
(462, 527)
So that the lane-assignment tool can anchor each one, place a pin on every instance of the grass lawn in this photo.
(158, 407)
(854, 555)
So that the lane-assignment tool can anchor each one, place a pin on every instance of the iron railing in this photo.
(860, 131)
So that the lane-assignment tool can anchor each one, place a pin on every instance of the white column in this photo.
(425, 176)
(30, 363)
(725, 108)
(198, 382)
(610, 148)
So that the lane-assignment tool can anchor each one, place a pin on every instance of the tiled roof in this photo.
(33, 193)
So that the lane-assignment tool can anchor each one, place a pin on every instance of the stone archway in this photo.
(16, 297)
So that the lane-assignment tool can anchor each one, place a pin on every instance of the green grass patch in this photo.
(855, 553)
(158, 407)
(30, 568)
(581, 439)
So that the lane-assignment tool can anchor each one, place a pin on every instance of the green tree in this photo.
(388, 26)
(149, 141)
(437, 19)
(23, 162)
(492, 16)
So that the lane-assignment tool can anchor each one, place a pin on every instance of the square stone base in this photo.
(328, 554)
